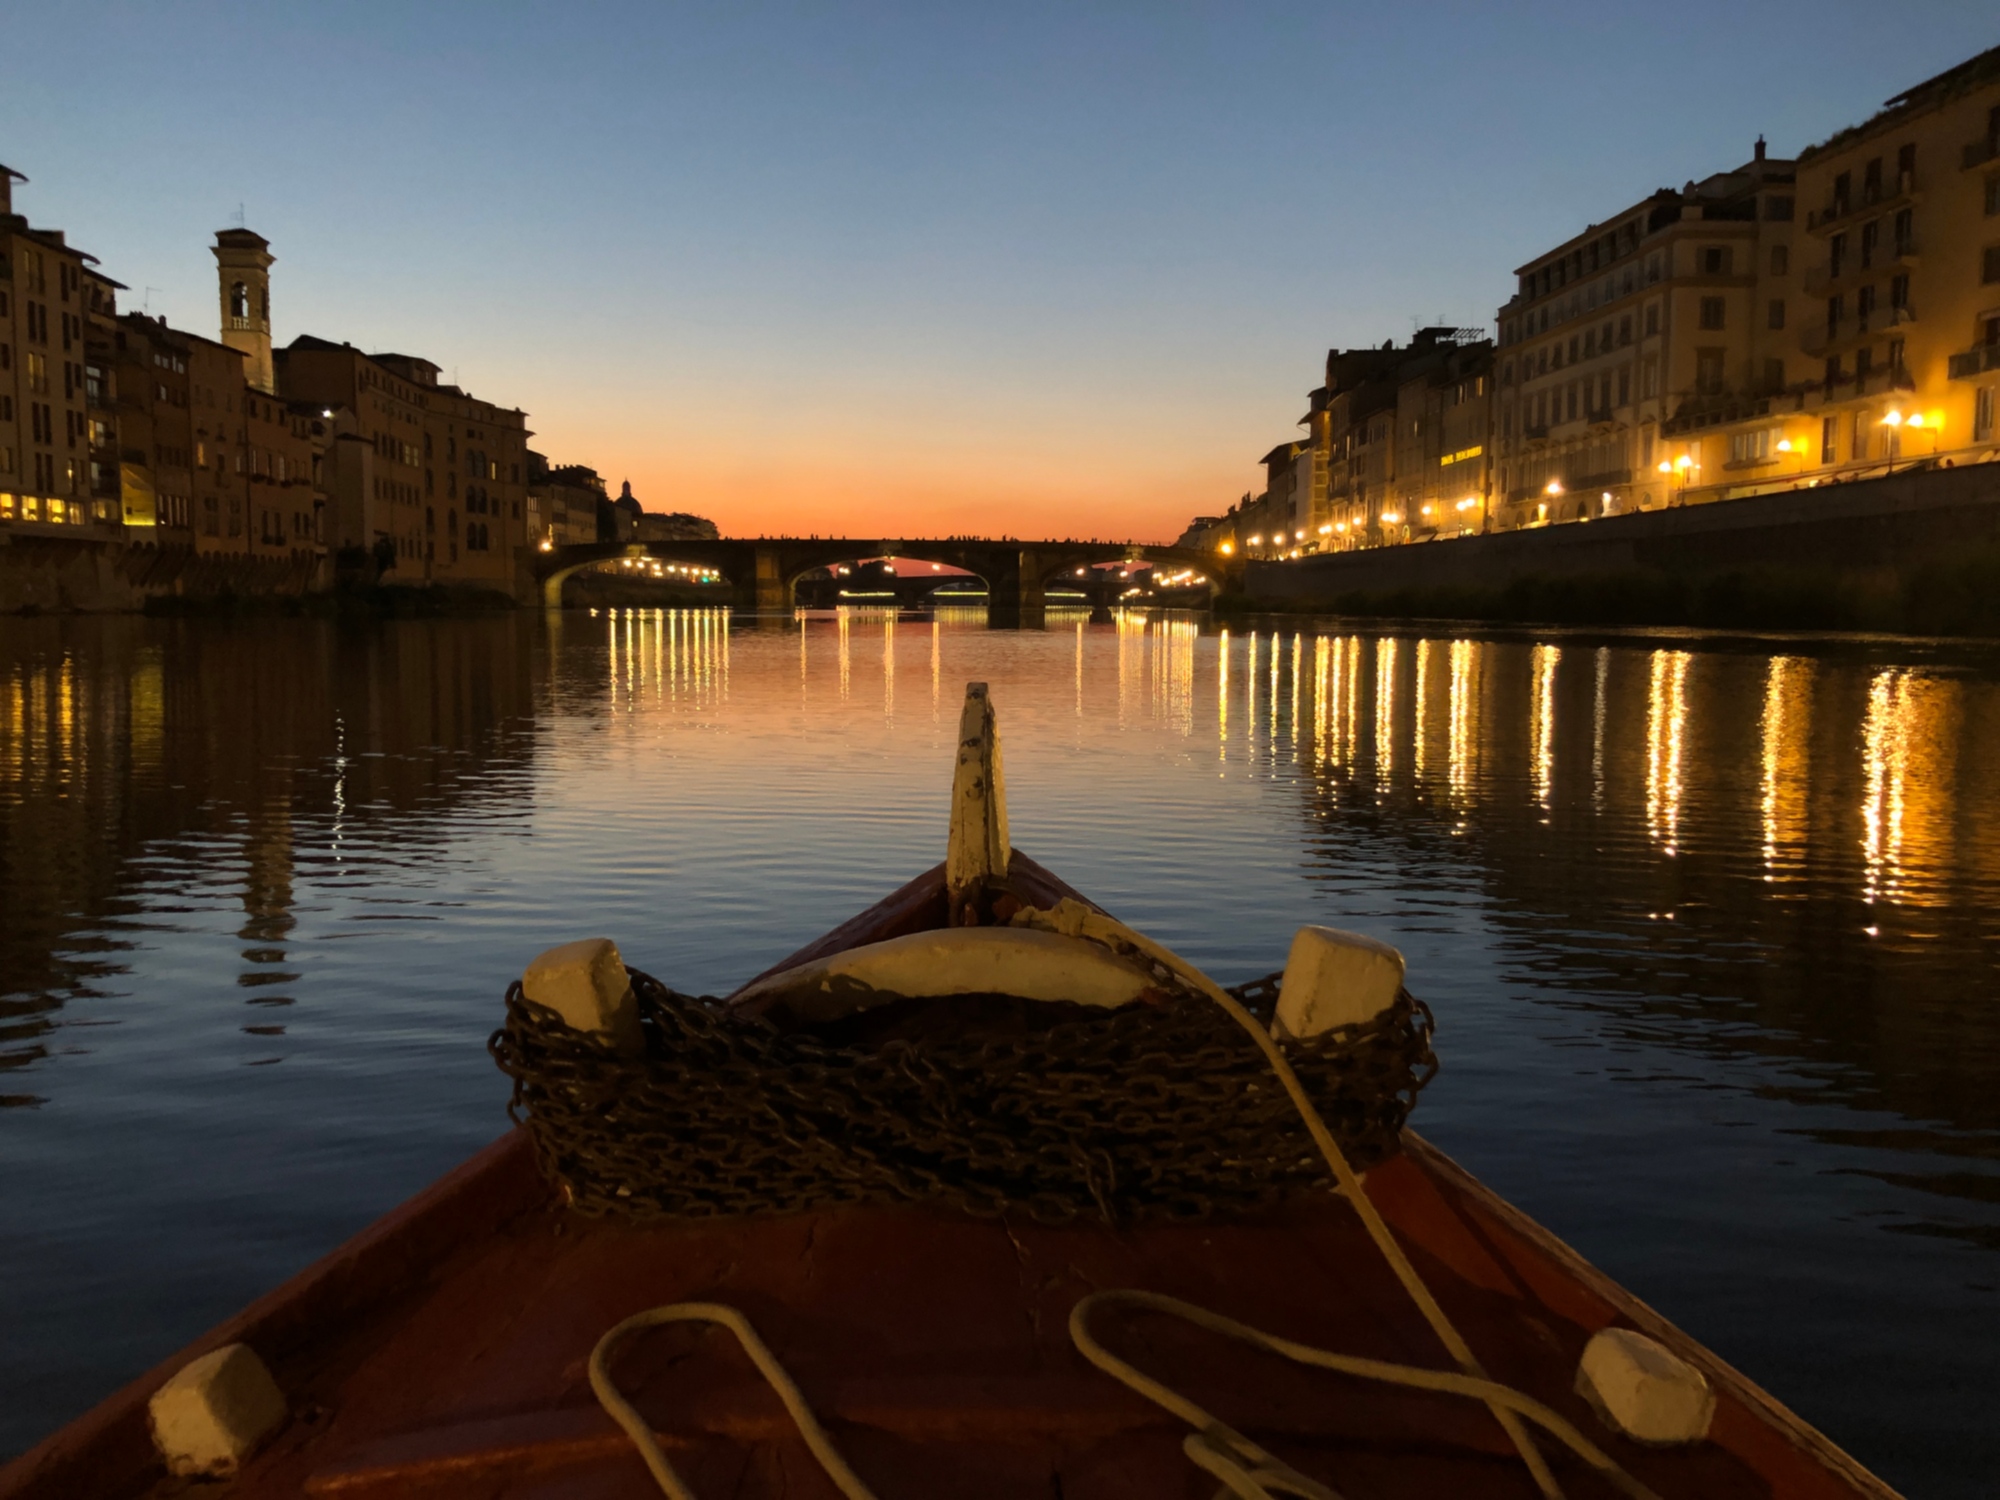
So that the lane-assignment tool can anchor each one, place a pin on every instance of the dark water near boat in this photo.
(1710, 929)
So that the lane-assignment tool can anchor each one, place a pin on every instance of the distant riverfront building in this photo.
(1782, 325)
(1653, 313)
(1891, 321)
(57, 428)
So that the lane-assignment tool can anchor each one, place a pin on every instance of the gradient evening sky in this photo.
(899, 270)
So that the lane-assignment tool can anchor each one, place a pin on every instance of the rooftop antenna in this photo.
(146, 302)
(241, 222)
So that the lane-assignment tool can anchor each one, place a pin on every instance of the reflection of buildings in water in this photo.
(1542, 721)
(937, 668)
(1666, 725)
(121, 741)
(1672, 938)
(1703, 749)
(1785, 740)
(1909, 743)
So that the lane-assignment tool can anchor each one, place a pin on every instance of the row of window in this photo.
(49, 508)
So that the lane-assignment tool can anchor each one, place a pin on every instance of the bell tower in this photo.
(243, 269)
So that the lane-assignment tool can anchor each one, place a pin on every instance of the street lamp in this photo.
(1893, 420)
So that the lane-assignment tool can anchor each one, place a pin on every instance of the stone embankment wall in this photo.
(1854, 551)
(58, 575)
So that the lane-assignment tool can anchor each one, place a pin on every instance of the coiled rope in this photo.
(1245, 1469)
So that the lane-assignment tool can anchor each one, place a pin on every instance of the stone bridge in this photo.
(761, 573)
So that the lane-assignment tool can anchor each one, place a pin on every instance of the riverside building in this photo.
(1894, 341)
(1678, 304)
(53, 304)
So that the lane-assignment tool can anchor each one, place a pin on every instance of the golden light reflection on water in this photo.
(1666, 725)
(1542, 721)
(888, 665)
(1385, 706)
(1598, 707)
(842, 621)
(659, 656)
(1786, 760)
(1461, 749)
(1173, 644)
(1420, 699)
(1909, 763)
(1221, 694)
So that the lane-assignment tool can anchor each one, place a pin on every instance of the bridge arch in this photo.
(763, 574)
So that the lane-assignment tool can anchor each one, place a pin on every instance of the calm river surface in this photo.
(1710, 928)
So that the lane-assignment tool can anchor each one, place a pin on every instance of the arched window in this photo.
(239, 300)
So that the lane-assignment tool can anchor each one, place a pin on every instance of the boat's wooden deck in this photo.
(936, 1350)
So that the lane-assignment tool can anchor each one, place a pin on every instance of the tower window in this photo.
(239, 301)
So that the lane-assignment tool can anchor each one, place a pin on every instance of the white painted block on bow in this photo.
(212, 1414)
(1334, 978)
(585, 983)
(1644, 1389)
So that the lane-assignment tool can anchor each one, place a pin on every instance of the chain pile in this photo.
(1146, 1113)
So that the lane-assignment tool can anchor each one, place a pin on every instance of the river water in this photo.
(1709, 926)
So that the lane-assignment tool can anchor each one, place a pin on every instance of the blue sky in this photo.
(883, 269)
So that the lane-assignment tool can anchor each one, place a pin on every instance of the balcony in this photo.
(1821, 282)
(1975, 362)
(1841, 211)
(1979, 153)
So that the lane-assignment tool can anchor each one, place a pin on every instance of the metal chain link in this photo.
(1145, 1113)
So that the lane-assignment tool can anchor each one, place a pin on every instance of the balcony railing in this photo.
(1839, 210)
(1821, 280)
(1979, 153)
(1975, 362)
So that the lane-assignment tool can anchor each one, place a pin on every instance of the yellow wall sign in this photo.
(1462, 455)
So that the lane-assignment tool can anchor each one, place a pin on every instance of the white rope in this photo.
(1249, 1469)
(636, 1428)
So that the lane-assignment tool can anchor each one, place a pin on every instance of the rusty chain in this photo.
(1147, 1113)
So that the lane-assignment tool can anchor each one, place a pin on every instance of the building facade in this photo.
(375, 478)
(51, 310)
(475, 479)
(1896, 338)
(1674, 308)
